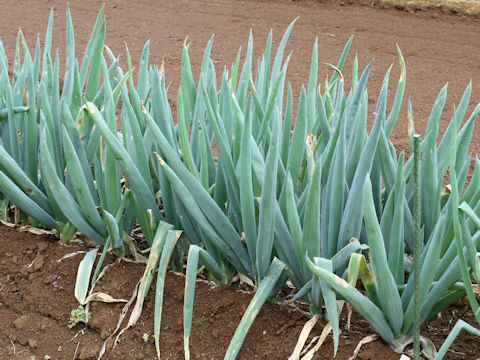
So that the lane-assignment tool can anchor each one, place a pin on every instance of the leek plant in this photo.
(56, 185)
(271, 192)
(389, 303)
(64, 164)
(318, 192)
(54, 166)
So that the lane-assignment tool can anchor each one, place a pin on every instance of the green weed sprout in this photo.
(78, 315)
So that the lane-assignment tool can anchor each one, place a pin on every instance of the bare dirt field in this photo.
(439, 46)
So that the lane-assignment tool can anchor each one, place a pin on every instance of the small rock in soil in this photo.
(38, 262)
(89, 351)
(32, 343)
(104, 334)
(22, 322)
(42, 245)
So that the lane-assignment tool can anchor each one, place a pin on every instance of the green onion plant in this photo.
(314, 195)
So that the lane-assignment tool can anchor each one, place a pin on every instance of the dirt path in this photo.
(438, 48)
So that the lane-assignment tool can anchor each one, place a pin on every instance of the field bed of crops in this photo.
(305, 196)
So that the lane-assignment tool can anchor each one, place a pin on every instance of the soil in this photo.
(439, 45)
(36, 290)
(36, 296)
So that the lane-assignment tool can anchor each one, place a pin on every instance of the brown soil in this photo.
(36, 297)
(438, 47)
